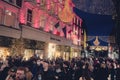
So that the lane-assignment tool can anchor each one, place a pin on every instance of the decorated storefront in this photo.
(20, 47)
(33, 48)
(56, 51)
(5, 43)
(75, 52)
(65, 52)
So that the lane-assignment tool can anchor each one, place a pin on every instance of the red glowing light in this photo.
(38, 1)
(48, 4)
(22, 17)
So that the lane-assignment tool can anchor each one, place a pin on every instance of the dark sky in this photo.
(105, 7)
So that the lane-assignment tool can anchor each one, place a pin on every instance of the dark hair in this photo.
(13, 69)
(22, 68)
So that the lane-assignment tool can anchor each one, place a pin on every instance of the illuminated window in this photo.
(51, 25)
(52, 4)
(42, 3)
(10, 18)
(29, 17)
(42, 21)
(48, 4)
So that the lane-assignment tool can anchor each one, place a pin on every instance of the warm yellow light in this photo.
(27, 54)
(4, 52)
(66, 15)
(75, 54)
(57, 54)
(98, 49)
(51, 50)
(96, 42)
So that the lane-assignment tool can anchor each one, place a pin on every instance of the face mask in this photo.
(39, 77)
(38, 62)
(58, 70)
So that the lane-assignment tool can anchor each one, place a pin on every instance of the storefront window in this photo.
(66, 56)
(28, 53)
(39, 53)
(51, 50)
(4, 52)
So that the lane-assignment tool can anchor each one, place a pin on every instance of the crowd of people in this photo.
(15, 68)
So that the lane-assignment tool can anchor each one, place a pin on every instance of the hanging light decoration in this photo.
(96, 42)
(66, 15)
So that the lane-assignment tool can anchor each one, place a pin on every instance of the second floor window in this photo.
(19, 3)
(1, 14)
(10, 18)
(29, 16)
(15, 2)
(42, 21)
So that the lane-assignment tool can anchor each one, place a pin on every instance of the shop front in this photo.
(33, 48)
(75, 51)
(58, 51)
(5, 43)
(53, 46)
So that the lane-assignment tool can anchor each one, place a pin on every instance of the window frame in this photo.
(8, 13)
(29, 17)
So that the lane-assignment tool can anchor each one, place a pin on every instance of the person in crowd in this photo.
(68, 71)
(4, 70)
(37, 67)
(20, 73)
(11, 74)
(38, 76)
(28, 74)
(87, 73)
(118, 72)
(47, 74)
(112, 71)
(103, 72)
(59, 75)
(78, 70)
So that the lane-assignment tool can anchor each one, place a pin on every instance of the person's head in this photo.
(103, 65)
(20, 73)
(45, 65)
(39, 62)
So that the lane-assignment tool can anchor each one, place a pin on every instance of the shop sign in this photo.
(55, 39)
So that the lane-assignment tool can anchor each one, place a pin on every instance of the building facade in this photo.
(34, 27)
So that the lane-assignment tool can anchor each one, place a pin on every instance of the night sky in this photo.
(105, 7)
